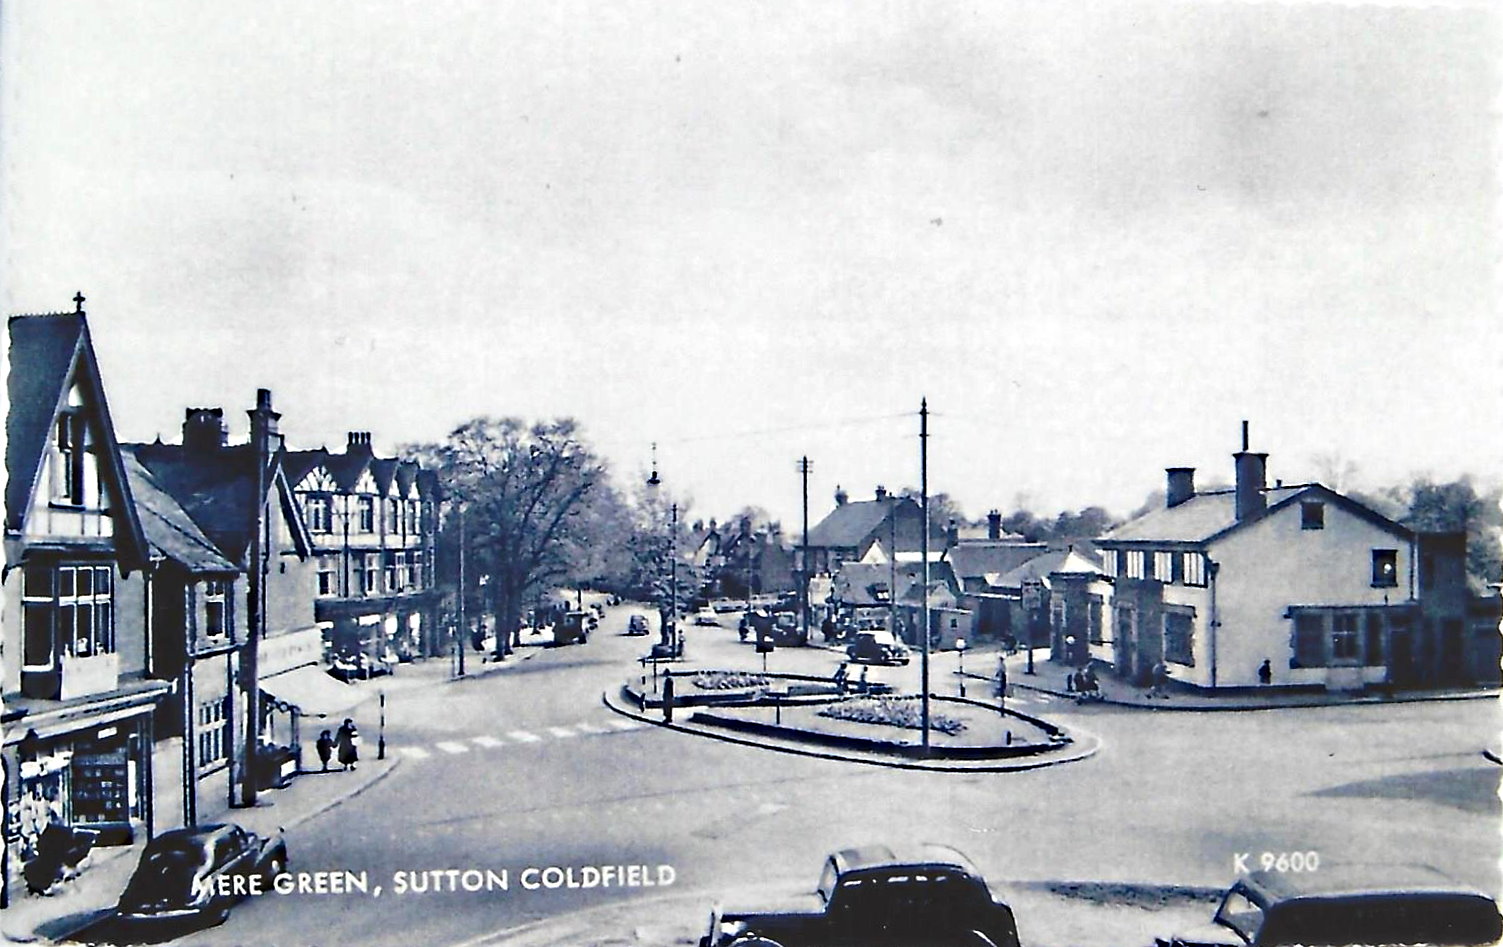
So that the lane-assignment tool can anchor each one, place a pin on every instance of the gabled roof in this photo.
(299, 463)
(171, 531)
(347, 468)
(940, 577)
(1068, 561)
(217, 490)
(1210, 516)
(384, 470)
(867, 583)
(45, 351)
(972, 559)
(850, 523)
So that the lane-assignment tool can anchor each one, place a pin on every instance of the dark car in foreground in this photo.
(199, 874)
(877, 647)
(1346, 906)
(637, 625)
(929, 895)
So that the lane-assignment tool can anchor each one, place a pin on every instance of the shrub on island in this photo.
(893, 712)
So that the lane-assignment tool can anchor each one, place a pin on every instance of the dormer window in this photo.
(216, 608)
(319, 513)
(1312, 515)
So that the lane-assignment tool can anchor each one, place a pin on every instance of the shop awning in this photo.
(309, 690)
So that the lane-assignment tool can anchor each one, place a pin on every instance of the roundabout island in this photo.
(849, 721)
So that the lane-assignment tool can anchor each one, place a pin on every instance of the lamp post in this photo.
(655, 481)
(381, 732)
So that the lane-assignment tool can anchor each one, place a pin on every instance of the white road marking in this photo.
(451, 746)
(562, 732)
(627, 724)
(590, 728)
(487, 740)
(415, 752)
(522, 736)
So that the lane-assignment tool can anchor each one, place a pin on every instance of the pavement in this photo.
(1052, 678)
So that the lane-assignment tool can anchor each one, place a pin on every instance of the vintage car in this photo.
(637, 625)
(877, 647)
(573, 628)
(1339, 905)
(199, 874)
(927, 895)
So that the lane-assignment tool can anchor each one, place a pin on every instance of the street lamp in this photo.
(655, 481)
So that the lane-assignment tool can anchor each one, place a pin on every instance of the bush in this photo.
(902, 712)
(728, 681)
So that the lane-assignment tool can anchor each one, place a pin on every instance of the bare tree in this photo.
(529, 497)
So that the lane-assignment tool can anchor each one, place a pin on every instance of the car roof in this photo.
(1335, 881)
(882, 856)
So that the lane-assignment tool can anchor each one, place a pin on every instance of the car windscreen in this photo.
(166, 874)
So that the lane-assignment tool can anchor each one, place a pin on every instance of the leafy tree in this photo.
(533, 498)
(1457, 506)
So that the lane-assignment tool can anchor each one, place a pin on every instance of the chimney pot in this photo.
(840, 495)
(203, 429)
(881, 493)
(994, 524)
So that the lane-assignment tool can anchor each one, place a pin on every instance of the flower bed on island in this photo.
(902, 712)
(728, 680)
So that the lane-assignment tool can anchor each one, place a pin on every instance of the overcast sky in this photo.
(1095, 236)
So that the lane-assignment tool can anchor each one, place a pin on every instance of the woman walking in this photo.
(347, 741)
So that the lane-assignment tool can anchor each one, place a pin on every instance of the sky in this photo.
(1095, 237)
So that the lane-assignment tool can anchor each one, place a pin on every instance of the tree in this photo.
(1458, 507)
(533, 498)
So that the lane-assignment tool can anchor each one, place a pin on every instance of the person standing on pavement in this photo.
(325, 747)
(667, 696)
(346, 740)
(1001, 682)
(1265, 672)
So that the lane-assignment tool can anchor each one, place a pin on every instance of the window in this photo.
(213, 721)
(1385, 568)
(1109, 561)
(412, 517)
(418, 579)
(1344, 637)
(1163, 566)
(216, 608)
(68, 474)
(1179, 634)
(391, 571)
(367, 510)
(1312, 515)
(1193, 565)
(372, 572)
(1309, 640)
(1097, 630)
(319, 514)
(326, 575)
(1374, 654)
(1135, 563)
(393, 516)
(70, 605)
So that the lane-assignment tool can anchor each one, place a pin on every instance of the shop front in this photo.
(296, 687)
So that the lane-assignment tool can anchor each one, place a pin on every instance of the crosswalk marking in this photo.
(584, 727)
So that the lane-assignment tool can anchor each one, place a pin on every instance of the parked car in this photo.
(877, 647)
(200, 873)
(637, 625)
(573, 628)
(1338, 905)
(929, 894)
(706, 619)
(352, 665)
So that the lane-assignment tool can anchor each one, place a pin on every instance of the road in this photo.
(526, 768)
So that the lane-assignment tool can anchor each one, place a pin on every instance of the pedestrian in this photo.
(325, 746)
(864, 685)
(1070, 683)
(842, 676)
(827, 628)
(1265, 672)
(1001, 682)
(1160, 681)
(347, 742)
(1088, 681)
(667, 696)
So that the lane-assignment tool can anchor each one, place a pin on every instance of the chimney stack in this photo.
(1252, 473)
(952, 533)
(840, 495)
(264, 434)
(203, 429)
(1181, 486)
(881, 493)
(359, 439)
(994, 524)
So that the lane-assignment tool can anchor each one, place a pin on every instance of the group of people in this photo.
(842, 678)
(1083, 684)
(345, 742)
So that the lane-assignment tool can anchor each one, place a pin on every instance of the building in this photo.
(78, 704)
(373, 522)
(1296, 583)
(239, 498)
(848, 532)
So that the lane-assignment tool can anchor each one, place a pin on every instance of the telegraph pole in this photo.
(462, 633)
(924, 496)
(804, 466)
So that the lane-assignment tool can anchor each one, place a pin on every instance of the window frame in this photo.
(1312, 514)
(1179, 644)
(1385, 568)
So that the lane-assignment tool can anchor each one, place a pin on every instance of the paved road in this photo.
(525, 768)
